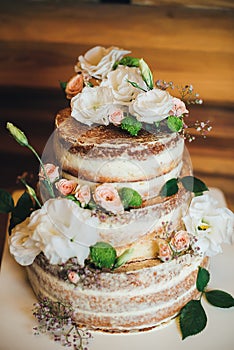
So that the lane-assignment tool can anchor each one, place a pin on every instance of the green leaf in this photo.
(175, 124)
(22, 210)
(63, 85)
(18, 135)
(130, 198)
(123, 258)
(146, 74)
(102, 254)
(132, 125)
(203, 278)
(219, 298)
(192, 318)
(6, 202)
(169, 188)
(193, 184)
(127, 61)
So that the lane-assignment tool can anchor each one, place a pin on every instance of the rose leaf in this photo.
(192, 318)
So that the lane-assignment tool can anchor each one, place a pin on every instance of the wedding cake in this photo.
(120, 227)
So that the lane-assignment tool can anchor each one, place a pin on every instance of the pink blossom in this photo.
(66, 187)
(108, 198)
(179, 107)
(165, 252)
(74, 85)
(52, 172)
(180, 241)
(73, 277)
(83, 195)
(116, 117)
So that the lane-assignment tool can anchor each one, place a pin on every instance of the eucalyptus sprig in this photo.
(192, 317)
(21, 138)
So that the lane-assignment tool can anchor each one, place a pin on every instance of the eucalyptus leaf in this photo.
(174, 123)
(203, 278)
(193, 184)
(220, 298)
(192, 318)
(169, 188)
(6, 202)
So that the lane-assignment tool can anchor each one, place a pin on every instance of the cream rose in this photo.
(60, 229)
(116, 117)
(210, 224)
(180, 241)
(74, 86)
(178, 108)
(118, 81)
(98, 61)
(83, 195)
(152, 106)
(165, 253)
(108, 198)
(65, 186)
(52, 172)
(92, 105)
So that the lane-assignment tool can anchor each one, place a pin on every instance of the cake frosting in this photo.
(118, 227)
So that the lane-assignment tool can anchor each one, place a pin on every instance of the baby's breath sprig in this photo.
(55, 318)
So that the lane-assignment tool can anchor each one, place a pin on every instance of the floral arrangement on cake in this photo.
(110, 87)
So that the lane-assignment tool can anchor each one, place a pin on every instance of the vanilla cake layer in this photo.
(138, 228)
(135, 297)
(101, 154)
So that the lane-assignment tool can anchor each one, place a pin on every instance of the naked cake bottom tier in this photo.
(136, 297)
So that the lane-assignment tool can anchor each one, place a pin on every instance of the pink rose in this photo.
(83, 195)
(66, 186)
(73, 277)
(165, 252)
(116, 117)
(180, 241)
(179, 107)
(108, 198)
(52, 172)
(74, 85)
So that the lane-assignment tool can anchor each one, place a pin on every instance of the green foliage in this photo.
(131, 124)
(169, 188)
(127, 61)
(130, 198)
(103, 255)
(146, 74)
(6, 202)
(192, 318)
(193, 184)
(219, 298)
(203, 278)
(174, 123)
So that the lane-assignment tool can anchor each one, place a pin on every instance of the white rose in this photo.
(210, 224)
(22, 246)
(92, 105)
(152, 106)
(118, 81)
(98, 61)
(60, 229)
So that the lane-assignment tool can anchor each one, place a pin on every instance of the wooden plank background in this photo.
(39, 45)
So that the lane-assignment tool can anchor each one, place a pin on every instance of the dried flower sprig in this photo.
(55, 318)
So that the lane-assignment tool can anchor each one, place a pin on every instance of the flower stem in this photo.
(48, 182)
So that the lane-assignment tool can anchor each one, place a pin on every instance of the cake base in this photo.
(137, 297)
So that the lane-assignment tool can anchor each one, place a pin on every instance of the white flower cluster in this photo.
(60, 229)
(97, 104)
